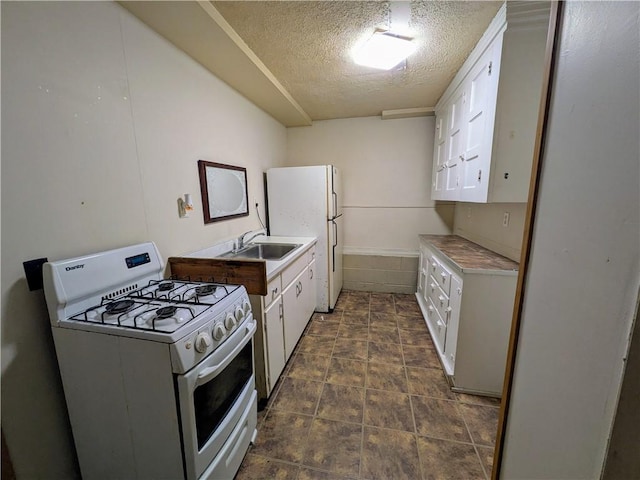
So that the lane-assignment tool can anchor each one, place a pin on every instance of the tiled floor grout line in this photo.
(487, 475)
(364, 392)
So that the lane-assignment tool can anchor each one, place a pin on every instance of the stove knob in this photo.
(203, 341)
(218, 332)
(229, 321)
(239, 314)
(246, 306)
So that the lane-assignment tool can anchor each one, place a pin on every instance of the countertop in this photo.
(469, 257)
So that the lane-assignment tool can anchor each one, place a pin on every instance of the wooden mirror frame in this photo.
(210, 212)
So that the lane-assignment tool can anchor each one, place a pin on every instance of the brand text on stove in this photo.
(75, 267)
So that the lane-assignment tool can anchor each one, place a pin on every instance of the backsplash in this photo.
(484, 224)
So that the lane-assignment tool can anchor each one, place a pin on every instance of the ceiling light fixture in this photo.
(384, 50)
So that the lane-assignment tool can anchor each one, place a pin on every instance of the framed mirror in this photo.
(224, 191)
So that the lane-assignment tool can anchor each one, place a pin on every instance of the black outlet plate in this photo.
(33, 272)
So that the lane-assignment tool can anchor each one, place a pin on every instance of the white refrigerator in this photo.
(307, 201)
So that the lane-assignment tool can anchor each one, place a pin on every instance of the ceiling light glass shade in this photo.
(383, 51)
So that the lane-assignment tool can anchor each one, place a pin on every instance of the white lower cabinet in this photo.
(273, 339)
(299, 302)
(468, 314)
(284, 313)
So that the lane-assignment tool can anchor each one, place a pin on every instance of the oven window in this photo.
(214, 399)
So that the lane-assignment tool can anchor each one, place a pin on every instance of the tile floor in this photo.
(363, 397)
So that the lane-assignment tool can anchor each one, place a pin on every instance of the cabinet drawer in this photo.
(443, 276)
(274, 289)
(433, 265)
(438, 326)
(294, 269)
(439, 299)
(432, 287)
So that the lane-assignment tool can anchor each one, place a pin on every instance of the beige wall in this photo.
(581, 293)
(102, 125)
(482, 224)
(386, 170)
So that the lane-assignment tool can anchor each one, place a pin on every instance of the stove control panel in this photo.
(209, 335)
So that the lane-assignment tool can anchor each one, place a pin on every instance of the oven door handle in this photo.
(207, 373)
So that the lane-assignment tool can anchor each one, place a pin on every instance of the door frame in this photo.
(555, 21)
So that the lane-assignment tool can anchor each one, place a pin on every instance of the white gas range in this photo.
(158, 374)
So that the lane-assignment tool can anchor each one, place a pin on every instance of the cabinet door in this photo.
(422, 274)
(274, 342)
(309, 294)
(479, 116)
(453, 320)
(455, 144)
(293, 308)
(439, 171)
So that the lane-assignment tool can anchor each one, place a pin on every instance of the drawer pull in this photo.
(274, 292)
(448, 317)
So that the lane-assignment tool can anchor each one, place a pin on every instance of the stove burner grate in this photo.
(164, 286)
(205, 290)
(119, 306)
(166, 312)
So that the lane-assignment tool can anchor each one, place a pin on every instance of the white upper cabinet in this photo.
(454, 144)
(486, 119)
(439, 156)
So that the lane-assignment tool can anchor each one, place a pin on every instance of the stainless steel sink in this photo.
(263, 251)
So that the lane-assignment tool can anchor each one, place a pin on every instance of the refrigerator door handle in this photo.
(334, 214)
(335, 242)
(335, 204)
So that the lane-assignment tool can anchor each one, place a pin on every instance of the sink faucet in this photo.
(242, 241)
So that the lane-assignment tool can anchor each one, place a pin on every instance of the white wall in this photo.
(582, 287)
(386, 168)
(482, 223)
(102, 126)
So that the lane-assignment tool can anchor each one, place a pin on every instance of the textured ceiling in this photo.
(307, 46)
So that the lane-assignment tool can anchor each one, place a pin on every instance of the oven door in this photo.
(214, 397)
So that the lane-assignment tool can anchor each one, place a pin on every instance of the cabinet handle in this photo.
(310, 274)
(274, 292)
(462, 158)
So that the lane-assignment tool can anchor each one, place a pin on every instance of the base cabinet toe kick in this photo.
(466, 294)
